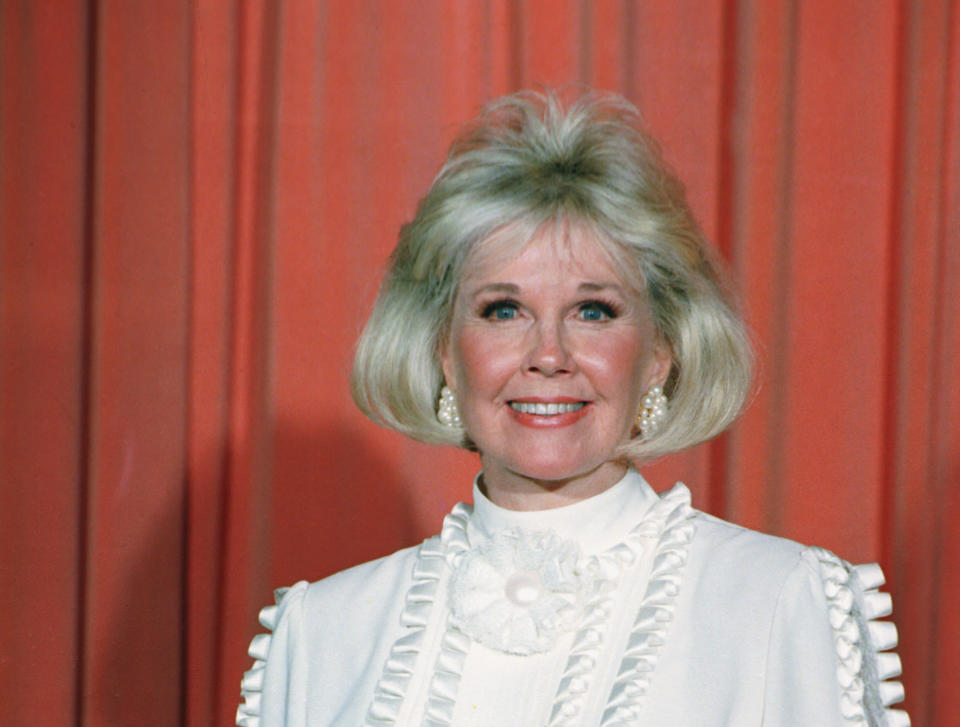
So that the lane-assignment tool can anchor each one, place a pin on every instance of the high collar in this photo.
(596, 523)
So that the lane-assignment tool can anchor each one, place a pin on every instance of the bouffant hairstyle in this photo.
(531, 160)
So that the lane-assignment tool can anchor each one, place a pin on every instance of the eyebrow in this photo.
(496, 288)
(514, 288)
(595, 287)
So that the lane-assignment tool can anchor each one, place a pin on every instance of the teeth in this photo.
(540, 409)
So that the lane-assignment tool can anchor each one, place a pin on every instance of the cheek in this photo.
(481, 362)
(619, 366)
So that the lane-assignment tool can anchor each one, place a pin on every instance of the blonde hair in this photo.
(529, 160)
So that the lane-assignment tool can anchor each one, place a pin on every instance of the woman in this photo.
(554, 308)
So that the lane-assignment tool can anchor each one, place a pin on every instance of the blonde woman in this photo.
(554, 308)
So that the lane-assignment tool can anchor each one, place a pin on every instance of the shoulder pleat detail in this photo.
(251, 687)
(672, 522)
(391, 689)
(866, 665)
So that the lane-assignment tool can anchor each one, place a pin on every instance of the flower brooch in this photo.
(519, 590)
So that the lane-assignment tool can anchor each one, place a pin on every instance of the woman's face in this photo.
(549, 354)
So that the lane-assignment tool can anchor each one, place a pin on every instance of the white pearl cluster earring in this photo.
(447, 412)
(653, 410)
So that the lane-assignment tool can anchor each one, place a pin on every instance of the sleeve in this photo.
(274, 688)
(827, 661)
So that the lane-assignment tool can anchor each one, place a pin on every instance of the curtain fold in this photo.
(197, 200)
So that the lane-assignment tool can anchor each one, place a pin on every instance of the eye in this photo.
(500, 310)
(596, 310)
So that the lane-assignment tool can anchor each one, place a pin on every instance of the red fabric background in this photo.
(196, 202)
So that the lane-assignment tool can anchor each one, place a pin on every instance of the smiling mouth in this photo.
(548, 410)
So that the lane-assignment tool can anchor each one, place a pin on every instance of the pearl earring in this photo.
(653, 410)
(447, 412)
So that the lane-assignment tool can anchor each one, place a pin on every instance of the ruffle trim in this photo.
(251, 687)
(389, 693)
(391, 689)
(445, 682)
(575, 680)
(866, 666)
(659, 523)
(670, 521)
(673, 520)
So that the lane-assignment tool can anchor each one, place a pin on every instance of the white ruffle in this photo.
(251, 687)
(608, 568)
(389, 693)
(445, 682)
(865, 664)
(672, 520)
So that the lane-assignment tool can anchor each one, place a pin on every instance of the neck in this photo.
(516, 491)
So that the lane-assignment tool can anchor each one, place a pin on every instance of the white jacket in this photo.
(625, 609)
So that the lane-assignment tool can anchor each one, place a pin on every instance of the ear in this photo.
(446, 364)
(661, 361)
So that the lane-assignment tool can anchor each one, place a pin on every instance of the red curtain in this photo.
(196, 203)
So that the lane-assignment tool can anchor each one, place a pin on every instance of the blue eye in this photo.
(596, 311)
(501, 310)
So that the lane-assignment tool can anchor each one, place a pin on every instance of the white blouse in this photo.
(628, 608)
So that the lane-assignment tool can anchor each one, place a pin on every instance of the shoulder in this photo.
(741, 557)
(364, 585)
(754, 567)
(738, 580)
(353, 616)
(733, 580)
(321, 636)
(812, 615)
(348, 592)
(727, 535)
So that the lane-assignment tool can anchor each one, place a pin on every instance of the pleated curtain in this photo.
(197, 200)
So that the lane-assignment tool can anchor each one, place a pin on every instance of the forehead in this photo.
(560, 247)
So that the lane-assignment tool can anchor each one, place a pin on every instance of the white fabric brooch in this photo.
(518, 591)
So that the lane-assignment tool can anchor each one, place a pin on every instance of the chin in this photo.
(557, 469)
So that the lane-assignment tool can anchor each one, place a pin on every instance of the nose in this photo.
(549, 351)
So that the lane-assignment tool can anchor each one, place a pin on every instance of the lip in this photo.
(548, 399)
(539, 421)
